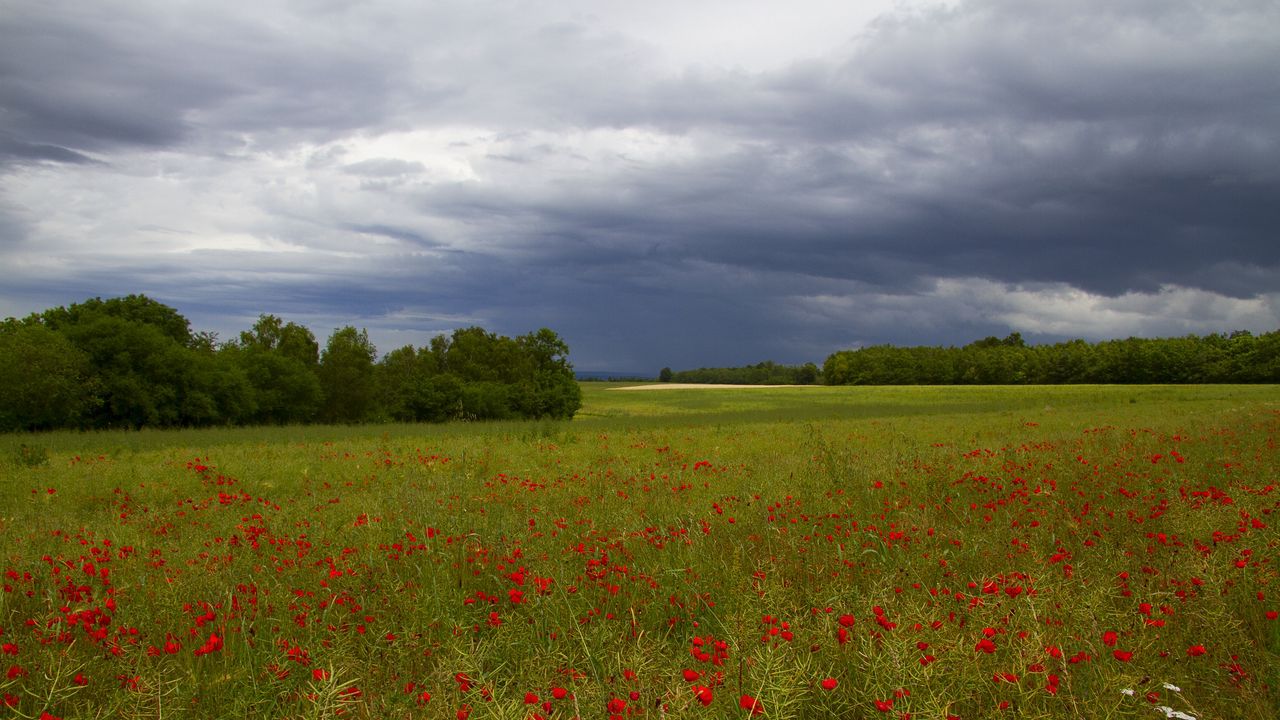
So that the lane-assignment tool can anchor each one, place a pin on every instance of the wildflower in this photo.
(1196, 650)
(830, 683)
(213, 644)
(464, 682)
(703, 694)
(746, 702)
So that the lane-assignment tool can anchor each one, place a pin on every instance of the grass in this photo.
(346, 571)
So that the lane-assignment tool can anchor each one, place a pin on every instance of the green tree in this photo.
(137, 367)
(436, 398)
(549, 388)
(284, 390)
(280, 361)
(347, 376)
(45, 381)
(138, 309)
(218, 390)
(291, 340)
(396, 379)
(807, 374)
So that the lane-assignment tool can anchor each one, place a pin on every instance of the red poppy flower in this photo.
(830, 683)
(746, 702)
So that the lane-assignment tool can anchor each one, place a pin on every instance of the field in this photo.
(1043, 552)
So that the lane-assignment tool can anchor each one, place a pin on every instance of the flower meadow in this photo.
(826, 552)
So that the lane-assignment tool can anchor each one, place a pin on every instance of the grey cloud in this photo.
(395, 233)
(384, 167)
(18, 151)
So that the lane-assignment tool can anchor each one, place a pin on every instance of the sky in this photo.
(679, 183)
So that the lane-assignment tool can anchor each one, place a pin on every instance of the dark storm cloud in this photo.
(96, 77)
(1112, 148)
(17, 151)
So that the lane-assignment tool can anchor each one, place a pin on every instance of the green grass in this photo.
(386, 556)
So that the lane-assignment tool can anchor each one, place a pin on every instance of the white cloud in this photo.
(1046, 310)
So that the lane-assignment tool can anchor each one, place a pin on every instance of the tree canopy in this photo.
(134, 362)
(1237, 357)
(763, 373)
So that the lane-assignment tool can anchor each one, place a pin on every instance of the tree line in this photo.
(133, 362)
(1237, 357)
(764, 373)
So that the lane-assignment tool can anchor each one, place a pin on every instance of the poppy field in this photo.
(1032, 552)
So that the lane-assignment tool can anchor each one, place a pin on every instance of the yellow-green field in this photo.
(790, 552)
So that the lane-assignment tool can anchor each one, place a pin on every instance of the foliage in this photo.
(44, 379)
(346, 376)
(764, 373)
(477, 375)
(1238, 357)
(133, 362)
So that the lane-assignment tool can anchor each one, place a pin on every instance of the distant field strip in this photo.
(704, 386)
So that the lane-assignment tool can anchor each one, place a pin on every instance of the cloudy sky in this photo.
(670, 182)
